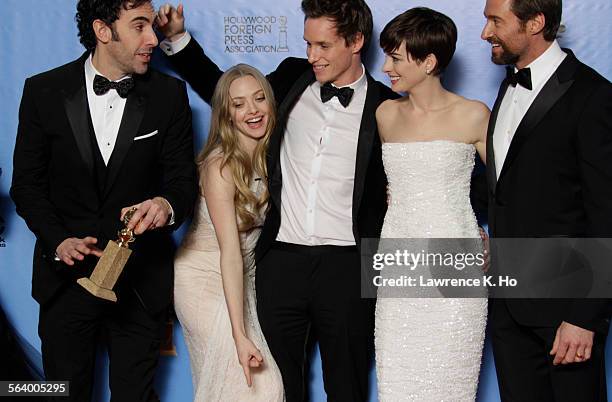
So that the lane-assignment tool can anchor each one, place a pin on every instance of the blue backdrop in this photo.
(39, 35)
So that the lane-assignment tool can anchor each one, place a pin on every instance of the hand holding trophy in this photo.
(111, 264)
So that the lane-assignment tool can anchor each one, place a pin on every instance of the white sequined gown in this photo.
(429, 349)
(201, 308)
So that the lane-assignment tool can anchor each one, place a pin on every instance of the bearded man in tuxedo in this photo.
(549, 137)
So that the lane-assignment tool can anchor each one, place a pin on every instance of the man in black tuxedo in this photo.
(549, 149)
(327, 192)
(96, 136)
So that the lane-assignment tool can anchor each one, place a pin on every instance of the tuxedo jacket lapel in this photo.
(284, 108)
(77, 111)
(133, 114)
(553, 90)
(294, 93)
(367, 131)
(491, 167)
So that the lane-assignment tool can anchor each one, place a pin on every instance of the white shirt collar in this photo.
(91, 71)
(541, 67)
(355, 85)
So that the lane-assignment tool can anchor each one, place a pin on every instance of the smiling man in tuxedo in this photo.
(549, 149)
(97, 136)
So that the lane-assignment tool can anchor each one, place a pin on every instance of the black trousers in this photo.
(315, 290)
(70, 327)
(524, 366)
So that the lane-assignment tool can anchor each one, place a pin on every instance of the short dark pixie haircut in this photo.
(551, 9)
(350, 17)
(424, 31)
(105, 10)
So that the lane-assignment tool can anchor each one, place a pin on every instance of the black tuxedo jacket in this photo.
(289, 81)
(55, 189)
(557, 179)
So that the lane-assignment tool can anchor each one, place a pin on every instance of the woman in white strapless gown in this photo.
(214, 289)
(428, 349)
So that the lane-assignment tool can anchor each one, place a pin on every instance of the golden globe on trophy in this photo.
(110, 265)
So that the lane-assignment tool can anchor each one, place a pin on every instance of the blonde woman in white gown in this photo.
(428, 349)
(214, 291)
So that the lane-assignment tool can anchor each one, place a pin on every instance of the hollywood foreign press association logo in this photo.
(255, 34)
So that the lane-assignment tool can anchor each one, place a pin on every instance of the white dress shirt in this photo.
(517, 100)
(106, 112)
(317, 158)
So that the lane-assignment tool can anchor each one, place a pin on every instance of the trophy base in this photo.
(97, 290)
(168, 352)
(167, 345)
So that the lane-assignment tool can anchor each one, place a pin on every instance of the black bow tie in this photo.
(102, 85)
(521, 77)
(344, 94)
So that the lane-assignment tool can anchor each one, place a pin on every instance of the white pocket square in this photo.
(142, 137)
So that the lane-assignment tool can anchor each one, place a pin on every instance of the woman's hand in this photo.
(485, 245)
(248, 356)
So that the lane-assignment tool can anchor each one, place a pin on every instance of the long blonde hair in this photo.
(224, 137)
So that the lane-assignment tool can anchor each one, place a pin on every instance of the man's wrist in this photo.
(177, 36)
(56, 253)
(169, 209)
(175, 43)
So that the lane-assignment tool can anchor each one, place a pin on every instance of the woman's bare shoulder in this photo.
(471, 109)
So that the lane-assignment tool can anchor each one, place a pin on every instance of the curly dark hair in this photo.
(350, 16)
(105, 10)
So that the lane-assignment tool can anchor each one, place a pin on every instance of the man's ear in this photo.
(102, 31)
(357, 44)
(536, 24)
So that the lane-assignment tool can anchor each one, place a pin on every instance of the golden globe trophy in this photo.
(282, 35)
(111, 264)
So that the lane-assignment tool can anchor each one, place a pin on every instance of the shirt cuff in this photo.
(173, 47)
(171, 219)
